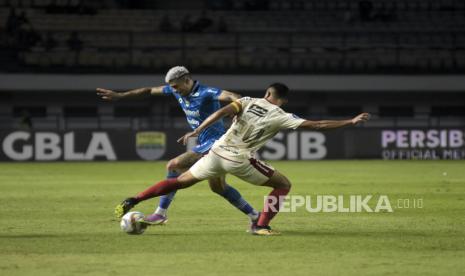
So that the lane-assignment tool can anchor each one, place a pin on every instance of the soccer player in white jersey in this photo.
(257, 121)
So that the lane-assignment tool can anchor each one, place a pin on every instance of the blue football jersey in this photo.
(198, 105)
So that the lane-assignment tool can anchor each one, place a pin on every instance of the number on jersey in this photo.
(257, 110)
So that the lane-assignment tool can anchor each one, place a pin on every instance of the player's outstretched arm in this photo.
(229, 110)
(228, 96)
(110, 95)
(328, 124)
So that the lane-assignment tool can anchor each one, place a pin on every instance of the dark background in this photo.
(401, 60)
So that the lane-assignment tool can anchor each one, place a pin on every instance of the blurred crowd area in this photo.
(246, 36)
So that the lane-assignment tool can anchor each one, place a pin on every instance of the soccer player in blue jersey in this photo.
(198, 101)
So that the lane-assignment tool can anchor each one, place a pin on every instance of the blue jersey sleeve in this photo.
(167, 90)
(213, 92)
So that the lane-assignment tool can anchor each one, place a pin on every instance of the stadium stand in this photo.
(334, 36)
(246, 36)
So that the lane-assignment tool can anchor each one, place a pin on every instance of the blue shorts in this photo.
(204, 147)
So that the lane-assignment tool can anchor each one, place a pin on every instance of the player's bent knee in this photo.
(286, 183)
(173, 165)
(283, 185)
(187, 179)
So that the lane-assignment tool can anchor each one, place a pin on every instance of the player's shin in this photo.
(161, 188)
(272, 205)
(165, 200)
(236, 199)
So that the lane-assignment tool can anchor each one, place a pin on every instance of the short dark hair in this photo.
(281, 90)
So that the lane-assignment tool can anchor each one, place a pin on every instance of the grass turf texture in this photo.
(57, 219)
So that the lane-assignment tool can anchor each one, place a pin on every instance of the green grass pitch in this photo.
(57, 219)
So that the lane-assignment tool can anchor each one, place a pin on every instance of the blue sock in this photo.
(235, 198)
(165, 200)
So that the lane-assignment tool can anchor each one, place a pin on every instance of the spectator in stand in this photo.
(22, 19)
(12, 22)
(25, 38)
(20, 32)
(25, 122)
(202, 24)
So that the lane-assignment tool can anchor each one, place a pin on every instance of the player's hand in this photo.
(108, 95)
(186, 137)
(361, 118)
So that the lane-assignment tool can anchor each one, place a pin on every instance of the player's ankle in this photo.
(263, 226)
(161, 211)
(254, 215)
(135, 200)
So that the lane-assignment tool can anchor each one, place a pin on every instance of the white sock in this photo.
(161, 211)
(253, 215)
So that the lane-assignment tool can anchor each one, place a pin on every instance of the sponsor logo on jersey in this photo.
(193, 122)
(193, 113)
(150, 145)
(186, 102)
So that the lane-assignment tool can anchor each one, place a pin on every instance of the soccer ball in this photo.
(130, 223)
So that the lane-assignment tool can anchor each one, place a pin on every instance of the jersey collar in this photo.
(195, 87)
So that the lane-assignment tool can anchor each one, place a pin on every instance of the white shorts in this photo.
(213, 165)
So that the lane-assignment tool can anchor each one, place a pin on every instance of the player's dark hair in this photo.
(281, 90)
